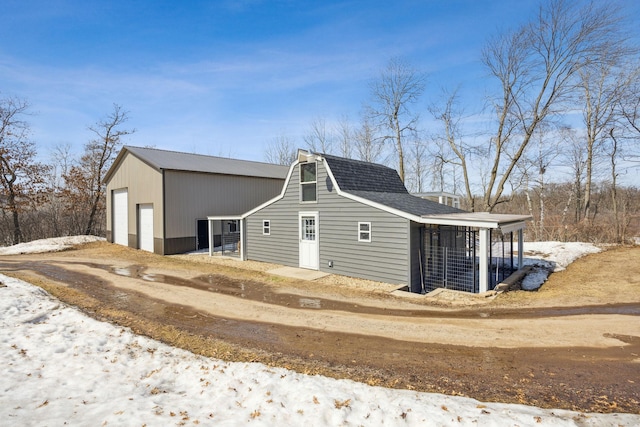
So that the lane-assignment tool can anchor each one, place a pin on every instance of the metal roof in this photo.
(173, 160)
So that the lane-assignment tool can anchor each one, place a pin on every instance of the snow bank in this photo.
(47, 245)
(548, 257)
(61, 367)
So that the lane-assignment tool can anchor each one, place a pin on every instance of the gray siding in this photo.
(385, 258)
(281, 247)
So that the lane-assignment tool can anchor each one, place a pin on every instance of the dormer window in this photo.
(308, 182)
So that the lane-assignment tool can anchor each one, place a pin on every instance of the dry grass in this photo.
(612, 276)
(608, 277)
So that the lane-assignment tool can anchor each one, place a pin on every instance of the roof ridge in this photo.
(129, 147)
(363, 162)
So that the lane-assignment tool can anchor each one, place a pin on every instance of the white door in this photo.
(120, 218)
(309, 240)
(145, 217)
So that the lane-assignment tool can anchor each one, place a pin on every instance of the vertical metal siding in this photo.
(192, 196)
(144, 185)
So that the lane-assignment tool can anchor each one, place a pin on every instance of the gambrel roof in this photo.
(381, 185)
(173, 160)
(356, 175)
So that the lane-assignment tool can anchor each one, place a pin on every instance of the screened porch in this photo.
(470, 252)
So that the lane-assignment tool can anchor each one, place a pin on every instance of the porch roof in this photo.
(504, 222)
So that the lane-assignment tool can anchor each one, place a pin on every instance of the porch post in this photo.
(484, 260)
(210, 235)
(520, 247)
(242, 239)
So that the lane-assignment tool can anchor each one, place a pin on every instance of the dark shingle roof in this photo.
(355, 175)
(173, 160)
(406, 202)
(382, 185)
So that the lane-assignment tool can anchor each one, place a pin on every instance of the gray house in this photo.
(357, 219)
(159, 200)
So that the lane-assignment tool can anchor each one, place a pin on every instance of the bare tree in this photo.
(85, 189)
(535, 66)
(61, 162)
(367, 147)
(573, 156)
(396, 90)
(452, 147)
(319, 139)
(281, 151)
(603, 87)
(20, 175)
(417, 169)
(344, 137)
(534, 168)
(630, 110)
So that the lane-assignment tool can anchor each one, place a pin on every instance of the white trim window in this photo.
(266, 227)
(364, 232)
(308, 177)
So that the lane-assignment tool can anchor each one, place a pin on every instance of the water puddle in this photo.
(256, 291)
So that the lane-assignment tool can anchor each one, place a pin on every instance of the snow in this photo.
(62, 367)
(548, 257)
(47, 245)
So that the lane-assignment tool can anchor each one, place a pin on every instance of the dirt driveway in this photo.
(575, 344)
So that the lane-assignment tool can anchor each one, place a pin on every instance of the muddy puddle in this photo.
(256, 291)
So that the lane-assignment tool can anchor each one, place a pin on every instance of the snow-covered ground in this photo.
(47, 245)
(548, 257)
(62, 367)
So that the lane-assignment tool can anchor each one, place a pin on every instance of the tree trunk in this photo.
(17, 232)
(398, 137)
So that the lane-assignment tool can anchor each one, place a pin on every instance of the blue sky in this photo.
(227, 77)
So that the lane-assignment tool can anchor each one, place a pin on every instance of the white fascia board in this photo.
(443, 220)
(275, 199)
(513, 226)
(222, 218)
(506, 223)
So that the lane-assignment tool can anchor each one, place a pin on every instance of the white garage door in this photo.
(120, 217)
(146, 227)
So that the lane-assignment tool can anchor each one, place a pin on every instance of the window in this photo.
(364, 232)
(308, 228)
(266, 227)
(308, 182)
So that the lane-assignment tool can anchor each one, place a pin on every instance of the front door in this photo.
(145, 226)
(309, 240)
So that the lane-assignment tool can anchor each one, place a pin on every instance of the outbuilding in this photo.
(159, 200)
(357, 219)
